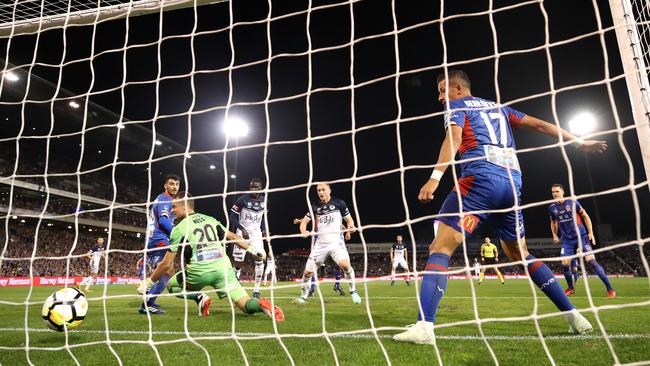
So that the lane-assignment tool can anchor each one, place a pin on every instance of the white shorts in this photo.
(94, 267)
(400, 262)
(239, 254)
(269, 269)
(320, 252)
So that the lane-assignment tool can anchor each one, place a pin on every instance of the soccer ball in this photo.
(65, 308)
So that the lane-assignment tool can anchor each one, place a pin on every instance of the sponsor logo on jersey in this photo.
(249, 204)
(326, 220)
(332, 207)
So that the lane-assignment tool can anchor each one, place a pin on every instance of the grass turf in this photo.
(177, 339)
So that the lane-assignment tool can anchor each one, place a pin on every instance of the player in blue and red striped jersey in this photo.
(481, 132)
(160, 225)
(565, 218)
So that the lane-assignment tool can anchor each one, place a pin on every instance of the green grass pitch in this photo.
(348, 326)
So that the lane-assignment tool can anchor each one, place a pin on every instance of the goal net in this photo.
(101, 100)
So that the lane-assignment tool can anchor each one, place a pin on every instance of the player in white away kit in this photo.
(247, 220)
(477, 268)
(329, 213)
(398, 254)
(95, 254)
(269, 270)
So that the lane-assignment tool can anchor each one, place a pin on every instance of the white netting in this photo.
(100, 104)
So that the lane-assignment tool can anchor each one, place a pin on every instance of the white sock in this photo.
(238, 273)
(306, 284)
(408, 275)
(350, 277)
(392, 274)
(259, 271)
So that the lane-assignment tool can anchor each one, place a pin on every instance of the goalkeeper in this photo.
(198, 238)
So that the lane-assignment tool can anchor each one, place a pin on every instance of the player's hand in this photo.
(244, 234)
(592, 239)
(260, 254)
(496, 259)
(348, 236)
(427, 190)
(145, 286)
(593, 146)
(297, 221)
(556, 240)
(304, 233)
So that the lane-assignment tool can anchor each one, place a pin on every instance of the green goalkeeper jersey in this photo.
(198, 239)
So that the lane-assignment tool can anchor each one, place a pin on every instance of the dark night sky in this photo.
(378, 199)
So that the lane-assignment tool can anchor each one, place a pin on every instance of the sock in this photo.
(252, 306)
(408, 275)
(481, 277)
(89, 282)
(598, 269)
(545, 280)
(337, 278)
(392, 274)
(568, 276)
(351, 281)
(433, 286)
(178, 290)
(259, 271)
(312, 287)
(576, 276)
(238, 272)
(500, 276)
(158, 288)
(304, 289)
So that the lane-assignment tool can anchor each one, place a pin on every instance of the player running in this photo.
(94, 255)
(481, 132)
(247, 220)
(199, 240)
(161, 222)
(567, 214)
(398, 255)
(329, 212)
(489, 256)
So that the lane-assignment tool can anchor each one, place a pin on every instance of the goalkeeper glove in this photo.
(145, 286)
(258, 253)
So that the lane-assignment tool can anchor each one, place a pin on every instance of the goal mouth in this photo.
(319, 127)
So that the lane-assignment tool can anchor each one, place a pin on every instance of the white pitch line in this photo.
(340, 335)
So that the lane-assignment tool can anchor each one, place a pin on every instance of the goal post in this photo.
(27, 17)
(635, 55)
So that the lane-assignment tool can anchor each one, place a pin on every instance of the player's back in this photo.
(201, 237)
(487, 136)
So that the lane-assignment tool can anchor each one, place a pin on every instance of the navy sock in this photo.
(545, 280)
(598, 269)
(433, 285)
(568, 276)
(158, 288)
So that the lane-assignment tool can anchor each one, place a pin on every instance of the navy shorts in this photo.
(485, 192)
(570, 247)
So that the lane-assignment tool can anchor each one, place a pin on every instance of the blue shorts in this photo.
(570, 247)
(154, 255)
(485, 192)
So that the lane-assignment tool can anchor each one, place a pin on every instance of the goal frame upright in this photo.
(636, 73)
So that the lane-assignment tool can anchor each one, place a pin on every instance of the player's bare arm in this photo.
(349, 221)
(554, 229)
(448, 150)
(549, 129)
(303, 227)
(590, 229)
(240, 242)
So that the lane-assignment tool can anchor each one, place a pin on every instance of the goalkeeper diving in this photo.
(198, 238)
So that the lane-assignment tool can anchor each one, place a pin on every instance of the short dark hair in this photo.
(185, 196)
(398, 234)
(459, 76)
(256, 180)
(172, 177)
(557, 185)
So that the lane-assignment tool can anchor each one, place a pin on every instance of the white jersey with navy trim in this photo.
(399, 251)
(329, 218)
(251, 214)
